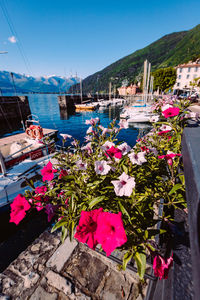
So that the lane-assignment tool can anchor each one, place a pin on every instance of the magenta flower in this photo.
(171, 112)
(50, 210)
(18, 209)
(114, 152)
(169, 157)
(63, 173)
(110, 231)
(161, 266)
(86, 229)
(41, 190)
(48, 172)
(161, 133)
(124, 186)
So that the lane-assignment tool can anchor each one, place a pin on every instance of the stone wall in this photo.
(49, 270)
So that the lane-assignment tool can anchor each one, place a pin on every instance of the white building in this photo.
(186, 73)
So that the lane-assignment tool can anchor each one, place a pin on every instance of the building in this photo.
(128, 90)
(186, 73)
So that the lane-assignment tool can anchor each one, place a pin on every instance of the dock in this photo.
(20, 136)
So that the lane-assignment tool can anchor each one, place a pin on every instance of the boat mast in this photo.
(145, 79)
(148, 78)
(81, 90)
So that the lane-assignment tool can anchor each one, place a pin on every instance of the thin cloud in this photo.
(12, 39)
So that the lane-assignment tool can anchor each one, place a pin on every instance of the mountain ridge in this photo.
(169, 50)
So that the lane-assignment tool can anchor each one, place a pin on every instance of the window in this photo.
(180, 70)
(196, 69)
(179, 76)
(194, 76)
(188, 76)
(189, 69)
(178, 83)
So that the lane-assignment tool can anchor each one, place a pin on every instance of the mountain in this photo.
(170, 50)
(25, 83)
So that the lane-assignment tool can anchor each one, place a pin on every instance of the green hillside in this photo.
(170, 50)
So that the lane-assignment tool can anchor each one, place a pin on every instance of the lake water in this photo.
(46, 108)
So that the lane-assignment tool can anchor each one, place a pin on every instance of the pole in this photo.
(81, 91)
(144, 78)
(110, 89)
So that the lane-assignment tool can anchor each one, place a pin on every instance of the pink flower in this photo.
(90, 130)
(65, 136)
(137, 158)
(161, 133)
(169, 157)
(18, 209)
(48, 172)
(81, 165)
(92, 121)
(124, 186)
(114, 152)
(161, 266)
(86, 229)
(110, 231)
(101, 167)
(50, 210)
(63, 173)
(88, 147)
(124, 148)
(41, 190)
(171, 112)
(107, 145)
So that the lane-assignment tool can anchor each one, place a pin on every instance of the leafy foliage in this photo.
(164, 78)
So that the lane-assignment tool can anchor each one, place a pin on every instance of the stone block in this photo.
(41, 294)
(86, 270)
(61, 255)
(59, 282)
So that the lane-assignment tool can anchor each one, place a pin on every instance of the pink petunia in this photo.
(124, 186)
(50, 210)
(63, 173)
(169, 157)
(124, 148)
(110, 231)
(92, 121)
(114, 152)
(18, 209)
(171, 112)
(48, 172)
(86, 229)
(41, 190)
(161, 266)
(101, 167)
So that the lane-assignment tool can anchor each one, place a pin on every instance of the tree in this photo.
(164, 78)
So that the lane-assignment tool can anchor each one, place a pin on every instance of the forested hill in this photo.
(170, 50)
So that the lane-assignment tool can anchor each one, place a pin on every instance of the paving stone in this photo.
(41, 294)
(85, 269)
(115, 287)
(61, 255)
(59, 282)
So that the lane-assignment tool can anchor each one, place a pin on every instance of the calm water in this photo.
(47, 109)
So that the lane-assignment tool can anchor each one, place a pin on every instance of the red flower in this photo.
(169, 157)
(171, 112)
(18, 209)
(110, 231)
(163, 132)
(114, 152)
(63, 173)
(86, 229)
(161, 266)
(41, 190)
(50, 210)
(144, 148)
(48, 172)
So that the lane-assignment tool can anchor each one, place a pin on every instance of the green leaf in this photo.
(140, 259)
(124, 211)
(127, 257)
(96, 201)
(64, 234)
(125, 169)
(60, 223)
(175, 188)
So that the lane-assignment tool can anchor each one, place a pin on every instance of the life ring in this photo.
(35, 132)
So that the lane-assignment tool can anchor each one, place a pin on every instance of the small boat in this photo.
(86, 107)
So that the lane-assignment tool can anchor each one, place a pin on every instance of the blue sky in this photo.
(64, 37)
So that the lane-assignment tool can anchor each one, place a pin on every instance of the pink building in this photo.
(128, 90)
